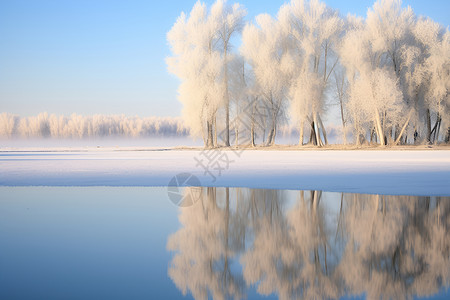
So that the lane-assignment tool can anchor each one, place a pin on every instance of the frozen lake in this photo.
(81, 223)
(134, 243)
(411, 172)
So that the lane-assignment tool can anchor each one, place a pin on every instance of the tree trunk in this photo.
(357, 140)
(373, 136)
(273, 130)
(436, 140)
(438, 126)
(343, 120)
(210, 137)
(252, 135)
(236, 133)
(379, 128)
(447, 138)
(428, 120)
(312, 135)
(396, 132)
(300, 142)
(205, 141)
(227, 97)
(317, 131)
(252, 129)
(264, 130)
(403, 129)
(215, 131)
(324, 132)
(272, 133)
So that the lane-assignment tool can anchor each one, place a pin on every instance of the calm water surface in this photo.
(134, 243)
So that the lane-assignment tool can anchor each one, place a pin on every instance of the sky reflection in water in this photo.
(133, 243)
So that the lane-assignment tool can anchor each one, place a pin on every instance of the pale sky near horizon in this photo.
(108, 57)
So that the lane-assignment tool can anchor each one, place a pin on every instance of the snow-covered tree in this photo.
(391, 72)
(371, 54)
(230, 21)
(8, 124)
(78, 126)
(240, 83)
(341, 93)
(200, 45)
(197, 62)
(264, 47)
(313, 30)
(433, 74)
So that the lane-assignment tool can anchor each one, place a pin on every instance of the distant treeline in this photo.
(77, 126)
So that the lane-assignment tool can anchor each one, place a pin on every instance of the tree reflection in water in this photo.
(383, 246)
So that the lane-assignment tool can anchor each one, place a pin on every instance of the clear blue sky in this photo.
(107, 57)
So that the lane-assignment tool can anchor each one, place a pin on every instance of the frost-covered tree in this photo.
(78, 126)
(378, 100)
(313, 30)
(250, 110)
(371, 54)
(197, 62)
(230, 21)
(8, 124)
(264, 47)
(391, 72)
(410, 57)
(341, 93)
(433, 74)
(200, 45)
(390, 28)
(240, 83)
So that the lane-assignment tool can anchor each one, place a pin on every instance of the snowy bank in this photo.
(381, 172)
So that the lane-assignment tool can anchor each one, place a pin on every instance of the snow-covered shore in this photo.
(408, 172)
